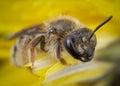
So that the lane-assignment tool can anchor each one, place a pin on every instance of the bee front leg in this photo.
(58, 52)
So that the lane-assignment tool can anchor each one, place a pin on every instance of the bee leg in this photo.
(42, 44)
(58, 52)
(33, 44)
(25, 43)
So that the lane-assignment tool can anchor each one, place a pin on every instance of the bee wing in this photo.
(27, 31)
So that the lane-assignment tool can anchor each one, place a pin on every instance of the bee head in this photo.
(79, 46)
(81, 43)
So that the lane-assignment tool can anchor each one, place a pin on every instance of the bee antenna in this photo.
(100, 25)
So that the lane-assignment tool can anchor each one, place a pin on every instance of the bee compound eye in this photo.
(69, 45)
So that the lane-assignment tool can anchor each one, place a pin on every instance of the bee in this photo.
(54, 36)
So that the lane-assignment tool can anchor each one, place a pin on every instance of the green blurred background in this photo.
(18, 14)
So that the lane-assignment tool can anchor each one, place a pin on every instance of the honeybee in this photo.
(54, 36)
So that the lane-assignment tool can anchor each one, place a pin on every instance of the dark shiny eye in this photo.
(70, 47)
